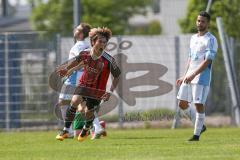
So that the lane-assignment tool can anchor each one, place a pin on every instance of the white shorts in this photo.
(69, 86)
(193, 93)
(65, 96)
(67, 92)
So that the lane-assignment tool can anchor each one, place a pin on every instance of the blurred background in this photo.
(150, 42)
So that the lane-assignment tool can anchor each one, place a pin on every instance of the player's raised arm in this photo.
(74, 64)
(116, 72)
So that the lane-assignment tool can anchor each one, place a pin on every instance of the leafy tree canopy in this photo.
(56, 16)
(227, 9)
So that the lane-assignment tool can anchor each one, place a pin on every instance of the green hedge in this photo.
(149, 115)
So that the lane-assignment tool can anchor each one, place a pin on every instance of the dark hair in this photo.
(205, 14)
(84, 28)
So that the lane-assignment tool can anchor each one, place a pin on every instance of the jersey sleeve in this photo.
(211, 49)
(77, 48)
(189, 53)
(115, 70)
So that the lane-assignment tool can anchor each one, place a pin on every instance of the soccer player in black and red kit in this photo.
(97, 65)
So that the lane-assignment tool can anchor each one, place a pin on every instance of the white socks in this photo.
(63, 111)
(96, 124)
(191, 114)
(200, 117)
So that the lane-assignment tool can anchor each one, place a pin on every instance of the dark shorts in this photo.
(88, 92)
(91, 103)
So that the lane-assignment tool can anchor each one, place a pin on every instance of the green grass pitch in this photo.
(132, 144)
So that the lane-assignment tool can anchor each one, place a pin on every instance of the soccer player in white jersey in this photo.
(194, 85)
(80, 33)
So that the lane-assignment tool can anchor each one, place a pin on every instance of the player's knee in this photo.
(74, 104)
(76, 100)
(183, 104)
(200, 108)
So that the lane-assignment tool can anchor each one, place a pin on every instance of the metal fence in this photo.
(25, 62)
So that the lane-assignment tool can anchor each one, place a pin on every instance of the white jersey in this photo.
(74, 51)
(202, 48)
(77, 48)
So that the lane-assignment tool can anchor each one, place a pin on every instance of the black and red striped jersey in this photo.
(96, 72)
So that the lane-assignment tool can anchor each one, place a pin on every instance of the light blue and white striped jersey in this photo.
(74, 51)
(202, 48)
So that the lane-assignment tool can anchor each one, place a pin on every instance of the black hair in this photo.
(205, 14)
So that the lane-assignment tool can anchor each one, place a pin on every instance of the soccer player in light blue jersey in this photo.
(194, 85)
(80, 33)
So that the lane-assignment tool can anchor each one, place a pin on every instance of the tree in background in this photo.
(230, 13)
(227, 9)
(152, 28)
(56, 16)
